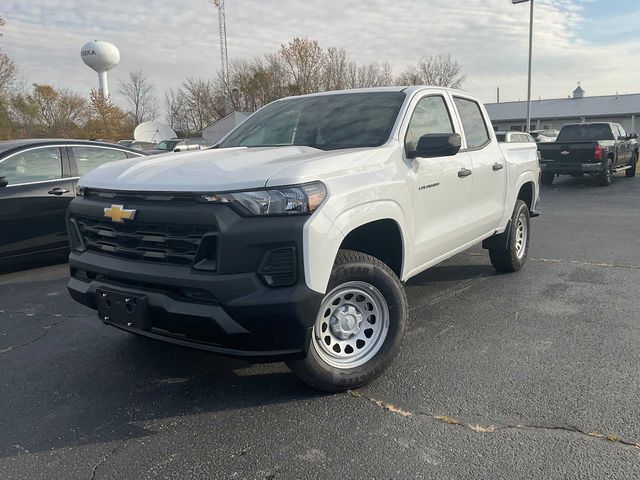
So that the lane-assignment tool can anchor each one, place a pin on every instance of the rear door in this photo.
(624, 149)
(85, 158)
(489, 169)
(441, 193)
(34, 203)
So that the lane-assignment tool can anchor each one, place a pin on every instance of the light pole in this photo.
(530, 57)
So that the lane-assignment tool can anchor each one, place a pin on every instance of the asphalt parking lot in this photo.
(531, 375)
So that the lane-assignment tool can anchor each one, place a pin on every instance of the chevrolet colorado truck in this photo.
(292, 239)
(597, 149)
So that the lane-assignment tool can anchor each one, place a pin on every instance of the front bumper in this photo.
(570, 168)
(232, 310)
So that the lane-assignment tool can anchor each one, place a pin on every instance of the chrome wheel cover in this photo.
(351, 326)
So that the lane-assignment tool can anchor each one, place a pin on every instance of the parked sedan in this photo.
(514, 137)
(37, 182)
(177, 145)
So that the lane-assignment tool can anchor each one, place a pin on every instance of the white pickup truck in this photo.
(292, 238)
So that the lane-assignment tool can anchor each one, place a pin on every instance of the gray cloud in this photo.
(172, 40)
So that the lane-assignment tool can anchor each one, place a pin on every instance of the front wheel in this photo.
(359, 327)
(514, 256)
(631, 172)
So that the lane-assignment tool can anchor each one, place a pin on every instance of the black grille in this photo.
(170, 244)
(279, 267)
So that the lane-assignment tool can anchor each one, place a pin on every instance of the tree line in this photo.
(302, 66)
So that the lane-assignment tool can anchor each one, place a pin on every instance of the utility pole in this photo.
(530, 59)
(224, 57)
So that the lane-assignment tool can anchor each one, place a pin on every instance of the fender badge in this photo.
(117, 213)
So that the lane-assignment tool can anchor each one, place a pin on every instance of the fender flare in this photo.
(322, 247)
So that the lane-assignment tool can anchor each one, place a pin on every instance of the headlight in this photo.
(295, 200)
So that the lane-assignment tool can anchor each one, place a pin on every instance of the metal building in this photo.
(214, 132)
(549, 114)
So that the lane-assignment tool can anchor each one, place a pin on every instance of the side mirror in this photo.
(437, 145)
(3, 182)
(633, 136)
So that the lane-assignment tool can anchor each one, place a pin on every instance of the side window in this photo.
(35, 165)
(430, 116)
(623, 133)
(475, 128)
(88, 158)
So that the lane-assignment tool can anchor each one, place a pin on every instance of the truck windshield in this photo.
(585, 133)
(165, 145)
(327, 122)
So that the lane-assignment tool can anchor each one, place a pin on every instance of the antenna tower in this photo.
(224, 58)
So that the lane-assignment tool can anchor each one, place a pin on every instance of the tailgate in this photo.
(572, 152)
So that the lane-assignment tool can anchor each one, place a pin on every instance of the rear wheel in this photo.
(514, 256)
(604, 179)
(547, 178)
(359, 327)
(631, 172)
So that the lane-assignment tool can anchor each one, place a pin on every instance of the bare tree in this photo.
(371, 75)
(438, 70)
(194, 105)
(336, 69)
(304, 61)
(7, 68)
(139, 94)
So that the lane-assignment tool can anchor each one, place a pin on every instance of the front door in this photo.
(442, 186)
(34, 202)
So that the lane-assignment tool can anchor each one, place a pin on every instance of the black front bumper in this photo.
(232, 310)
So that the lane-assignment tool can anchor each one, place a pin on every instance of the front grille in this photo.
(160, 243)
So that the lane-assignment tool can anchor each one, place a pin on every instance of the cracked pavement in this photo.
(531, 375)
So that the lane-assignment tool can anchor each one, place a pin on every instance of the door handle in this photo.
(497, 166)
(58, 191)
(465, 172)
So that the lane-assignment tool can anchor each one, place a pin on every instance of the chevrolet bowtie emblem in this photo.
(117, 213)
(565, 152)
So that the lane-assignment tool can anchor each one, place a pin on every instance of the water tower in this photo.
(101, 57)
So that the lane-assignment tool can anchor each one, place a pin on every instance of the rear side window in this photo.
(475, 128)
(89, 158)
(37, 165)
(430, 116)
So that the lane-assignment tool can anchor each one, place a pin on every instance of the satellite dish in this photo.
(153, 132)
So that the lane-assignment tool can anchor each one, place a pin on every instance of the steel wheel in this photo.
(521, 236)
(351, 326)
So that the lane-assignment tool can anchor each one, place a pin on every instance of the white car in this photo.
(293, 239)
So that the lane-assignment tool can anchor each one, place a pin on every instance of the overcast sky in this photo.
(595, 42)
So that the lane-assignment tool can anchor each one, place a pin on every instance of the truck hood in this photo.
(211, 170)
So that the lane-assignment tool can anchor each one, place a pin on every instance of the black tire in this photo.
(630, 173)
(604, 179)
(351, 266)
(547, 178)
(513, 257)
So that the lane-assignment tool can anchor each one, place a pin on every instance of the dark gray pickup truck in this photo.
(597, 149)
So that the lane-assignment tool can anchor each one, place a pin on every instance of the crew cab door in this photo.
(441, 187)
(624, 146)
(34, 201)
(488, 164)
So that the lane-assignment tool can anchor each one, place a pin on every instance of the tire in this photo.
(604, 179)
(547, 178)
(630, 173)
(514, 257)
(370, 301)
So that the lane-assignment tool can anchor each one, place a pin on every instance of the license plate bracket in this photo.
(122, 308)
